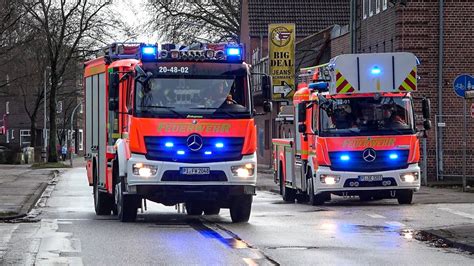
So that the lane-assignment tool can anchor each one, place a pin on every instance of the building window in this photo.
(25, 137)
(81, 139)
(384, 4)
(371, 8)
(365, 8)
(377, 6)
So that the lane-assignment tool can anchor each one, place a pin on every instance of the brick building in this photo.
(414, 26)
(23, 79)
(316, 24)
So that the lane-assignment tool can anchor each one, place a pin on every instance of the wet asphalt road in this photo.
(345, 232)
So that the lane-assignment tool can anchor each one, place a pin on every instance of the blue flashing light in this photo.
(180, 152)
(169, 144)
(219, 145)
(375, 70)
(393, 156)
(149, 50)
(345, 157)
(208, 152)
(233, 51)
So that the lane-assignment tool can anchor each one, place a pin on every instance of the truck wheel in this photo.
(193, 208)
(240, 208)
(288, 194)
(405, 196)
(314, 199)
(103, 203)
(302, 198)
(127, 205)
(212, 209)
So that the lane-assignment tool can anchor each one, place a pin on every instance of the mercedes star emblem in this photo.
(194, 142)
(369, 155)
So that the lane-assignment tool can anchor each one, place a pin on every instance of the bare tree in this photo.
(66, 26)
(187, 21)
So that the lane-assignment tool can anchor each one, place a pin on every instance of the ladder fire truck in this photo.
(356, 132)
(170, 124)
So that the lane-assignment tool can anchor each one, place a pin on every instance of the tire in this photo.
(194, 208)
(302, 198)
(103, 202)
(314, 200)
(405, 197)
(288, 194)
(127, 205)
(115, 179)
(212, 209)
(240, 208)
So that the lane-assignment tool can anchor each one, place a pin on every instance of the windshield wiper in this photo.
(214, 108)
(169, 108)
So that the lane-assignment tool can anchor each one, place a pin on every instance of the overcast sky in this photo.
(134, 13)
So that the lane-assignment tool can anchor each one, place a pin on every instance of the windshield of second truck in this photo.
(367, 116)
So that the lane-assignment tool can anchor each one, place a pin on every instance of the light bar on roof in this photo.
(149, 50)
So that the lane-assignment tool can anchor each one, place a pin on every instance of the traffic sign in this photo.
(463, 83)
(472, 110)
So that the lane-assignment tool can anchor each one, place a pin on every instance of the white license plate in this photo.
(194, 170)
(370, 178)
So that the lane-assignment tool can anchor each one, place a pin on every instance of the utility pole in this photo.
(70, 139)
(45, 143)
(352, 26)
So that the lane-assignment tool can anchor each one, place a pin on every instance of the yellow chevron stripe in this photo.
(339, 81)
(405, 85)
(346, 88)
(412, 79)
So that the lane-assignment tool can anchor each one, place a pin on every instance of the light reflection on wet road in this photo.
(344, 232)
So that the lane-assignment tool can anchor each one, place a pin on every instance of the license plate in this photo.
(370, 178)
(194, 170)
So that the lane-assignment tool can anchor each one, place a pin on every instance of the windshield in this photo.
(196, 96)
(367, 116)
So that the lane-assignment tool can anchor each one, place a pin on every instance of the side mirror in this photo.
(113, 91)
(427, 124)
(426, 106)
(113, 106)
(267, 87)
(302, 128)
(267, 107)
(302, 112)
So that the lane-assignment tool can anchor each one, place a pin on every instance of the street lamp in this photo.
(70, 139)
(45, 144)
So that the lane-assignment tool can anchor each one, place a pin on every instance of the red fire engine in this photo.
(171, 124)
(356, 131)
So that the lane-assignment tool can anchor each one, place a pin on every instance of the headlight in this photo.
(329, 179)
(144, 170)
(409, 177)
(245, 170)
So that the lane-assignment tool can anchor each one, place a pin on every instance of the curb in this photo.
(31, 201)
(446, 237)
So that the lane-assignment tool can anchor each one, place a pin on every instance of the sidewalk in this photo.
(20, 188)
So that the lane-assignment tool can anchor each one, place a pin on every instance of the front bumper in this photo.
(347, 180)
(170, 170)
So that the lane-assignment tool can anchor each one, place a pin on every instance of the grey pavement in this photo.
(461, 236)
(20, 188)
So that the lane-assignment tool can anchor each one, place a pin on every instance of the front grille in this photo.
(173, 175)
(157, 150)
(372, 183)
(356, 162)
